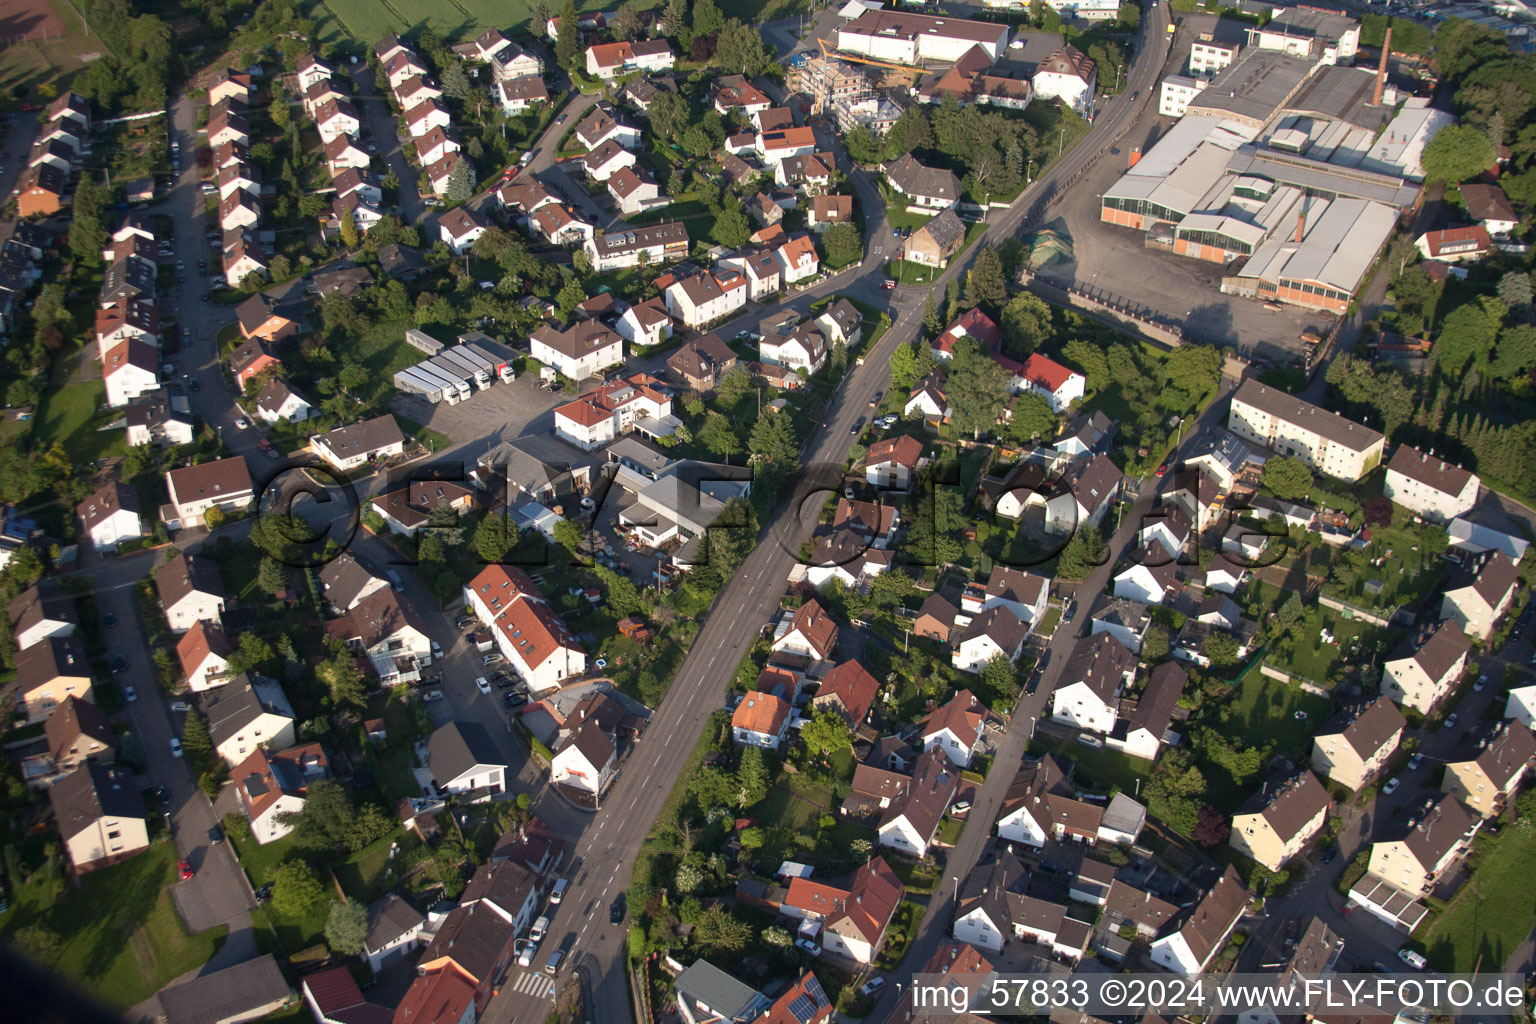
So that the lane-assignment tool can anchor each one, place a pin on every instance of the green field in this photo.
(369, 20)
(1483, 923)
(119, 937)
(25, 66)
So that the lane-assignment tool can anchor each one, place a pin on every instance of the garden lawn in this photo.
(362, 874)
(67, 416)
(120, 937)
(1261, 710)
(425, 435)
(1109, 768)
(1483, 921)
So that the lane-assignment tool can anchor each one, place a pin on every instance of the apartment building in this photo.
(1326, 441)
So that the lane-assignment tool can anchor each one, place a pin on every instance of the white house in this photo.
(1428, 486)
(203, 653)
(278, 403)
(388, 632)
(798, 258)
(645, 323)
(1147, 579)
(247, 714)
(129, 370)
(1068, 75)
(111, 516)
(802, 348)
(908, 825)
(1058, 385)
(459, 228)
(333, 119)
(761, 720)
(463, 758)
(357, 444)
(1189, 948)
(1479, 592)
(1420, 675)
(1097, 672)
(955, 727)
(586, 348)
(527, 631)
(623, 405)
(586, 758)
(1143, 728)
(190, 591)
(273, 785)
(891, 462)
(810, 633)
(394, 929)
(994, 633)
(100, 815)
(224, 484)
(705, 297)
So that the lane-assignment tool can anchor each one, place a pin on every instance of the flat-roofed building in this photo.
(910, 38)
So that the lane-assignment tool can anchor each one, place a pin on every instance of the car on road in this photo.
(109, 620)
(1451, 719)
(876, 400)
(616, 911)
(810, 946)
(1330, 853)
(525, 950)
(539, 930)
(216, 835)
(130, 694)
(119, 663)
(241, 423)
(395, 581)
(437, 651)
(1415, 761)
(561, 119)
(888, 285)
(558, 892)
(483, 684)
(1412, 958)
(552, 965)
(1163, 469)
(1391, 786)
(193, 385)
(180, 705)
(432, 695)
(858, 425)
(263, 444)
(185, 869)
(164, 796)
(871, 986)
(175, 747)
(1482, 681)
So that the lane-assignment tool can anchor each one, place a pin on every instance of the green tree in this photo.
(1000, 677)
(1456, 153)
(1032, 419)
(572, 294)
(732, 226)
(568, 35)
(752, 777)
(19, 393)
(977, 387)
(460, 185)
(1154, 645)
(1288, 478)
(346, 927)
(718, 931)
(674, 17)
(1026, 324)
(739, 49)
(707, 18)
(773, 439)
(719, 436)
(933, 324)
(494, 537)
(87, 226)
(841, 245)
(826, 732)
(569, 535)
(1466, 338)
(343, 680)
(271, 577)
(986, 284)
(296, 891)
(934, 528)
(1084, 552)
(1221, 648)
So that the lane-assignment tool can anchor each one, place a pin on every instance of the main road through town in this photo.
(606, 850)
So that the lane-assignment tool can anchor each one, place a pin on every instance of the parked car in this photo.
(888, 285)
(1330, 853)
(811, 947)
(175, 747)
(1415, 761)
(216, 835)
(432, 695)
(492, 659)
(558, 892)
(180, 705)
(1451, 719)
(876, 400)
(264, 893)
(1391, 787)
(858, 425)
(871, 986)
(515, 698)
(129, 694)
(185, 869)
(164, 795)
(396, 581)
(483, 684)
(119, 663)
(525, 950)
(1482, 681)
(1412, 959)
(109, 620)
(241, 423)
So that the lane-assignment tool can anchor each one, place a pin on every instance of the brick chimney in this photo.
(1381, 70)
(1301, 222)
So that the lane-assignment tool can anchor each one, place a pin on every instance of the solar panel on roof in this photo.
(813, 986)
(802, 1008)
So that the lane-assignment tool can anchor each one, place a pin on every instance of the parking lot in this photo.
(500, 413)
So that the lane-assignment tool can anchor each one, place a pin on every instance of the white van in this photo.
(540, 928)
(558, 892)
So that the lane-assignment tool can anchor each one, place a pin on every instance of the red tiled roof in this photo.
(1045, 373)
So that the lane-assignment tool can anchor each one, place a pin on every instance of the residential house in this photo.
(408, 509)
(434, 149)
(1486, 773)
(443, 996)
(463, 758)
(48, 672)
(1353, 746)
(346, 582)
(702, 362)
(1490, 207)
(1189, 948)
(1479, 592)
(625, 405)
(892, 462)
(246, 991)
(935, 619)
(994, 633)
(40, 612)
(129, 370)
(1068, 75)
(1223, 576)
(394, 929)
(475, 942)
(203, 653)
(100, 816)
(587, 754)
(230, 86)
(955, 728)
(508, 889)
(935, 242)
(273, 785)
(1455, 245)
(705, 297)
(225, 126)
(1148, 579)
(247, 714)
(1428, 486)
(1096, 673)
(111, 516)
(811, 633)
(1125, 620)
(242, 258)
(77, 733)
(343, 153)
(533, 639)
(190, 591)
(335, 118)
(1488, 527)
(797, 256)
(128, 318)
(1418, 848)
(1126, 904)
(911, 819)
(1277, 822)
(1327, 442)
(1041, 805)
(359, 443)
(1144, 720)
(1057, 384)
(645, 323)
(224, 484)
(928, 402)
(583, 350)
(808, 174)
(761, 720)
(250, 359)
(40, 191)
(799, 347)
(659, 243)
(1082, 494)
(827, 210)
(610, 60)
(388, 632)
(276, 403)
(930, 187)
(1419, 675)
(334, 998)
(848, 691)
(853, 922)
(459, 228)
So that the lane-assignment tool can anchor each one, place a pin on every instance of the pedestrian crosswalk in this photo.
(534, 985)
